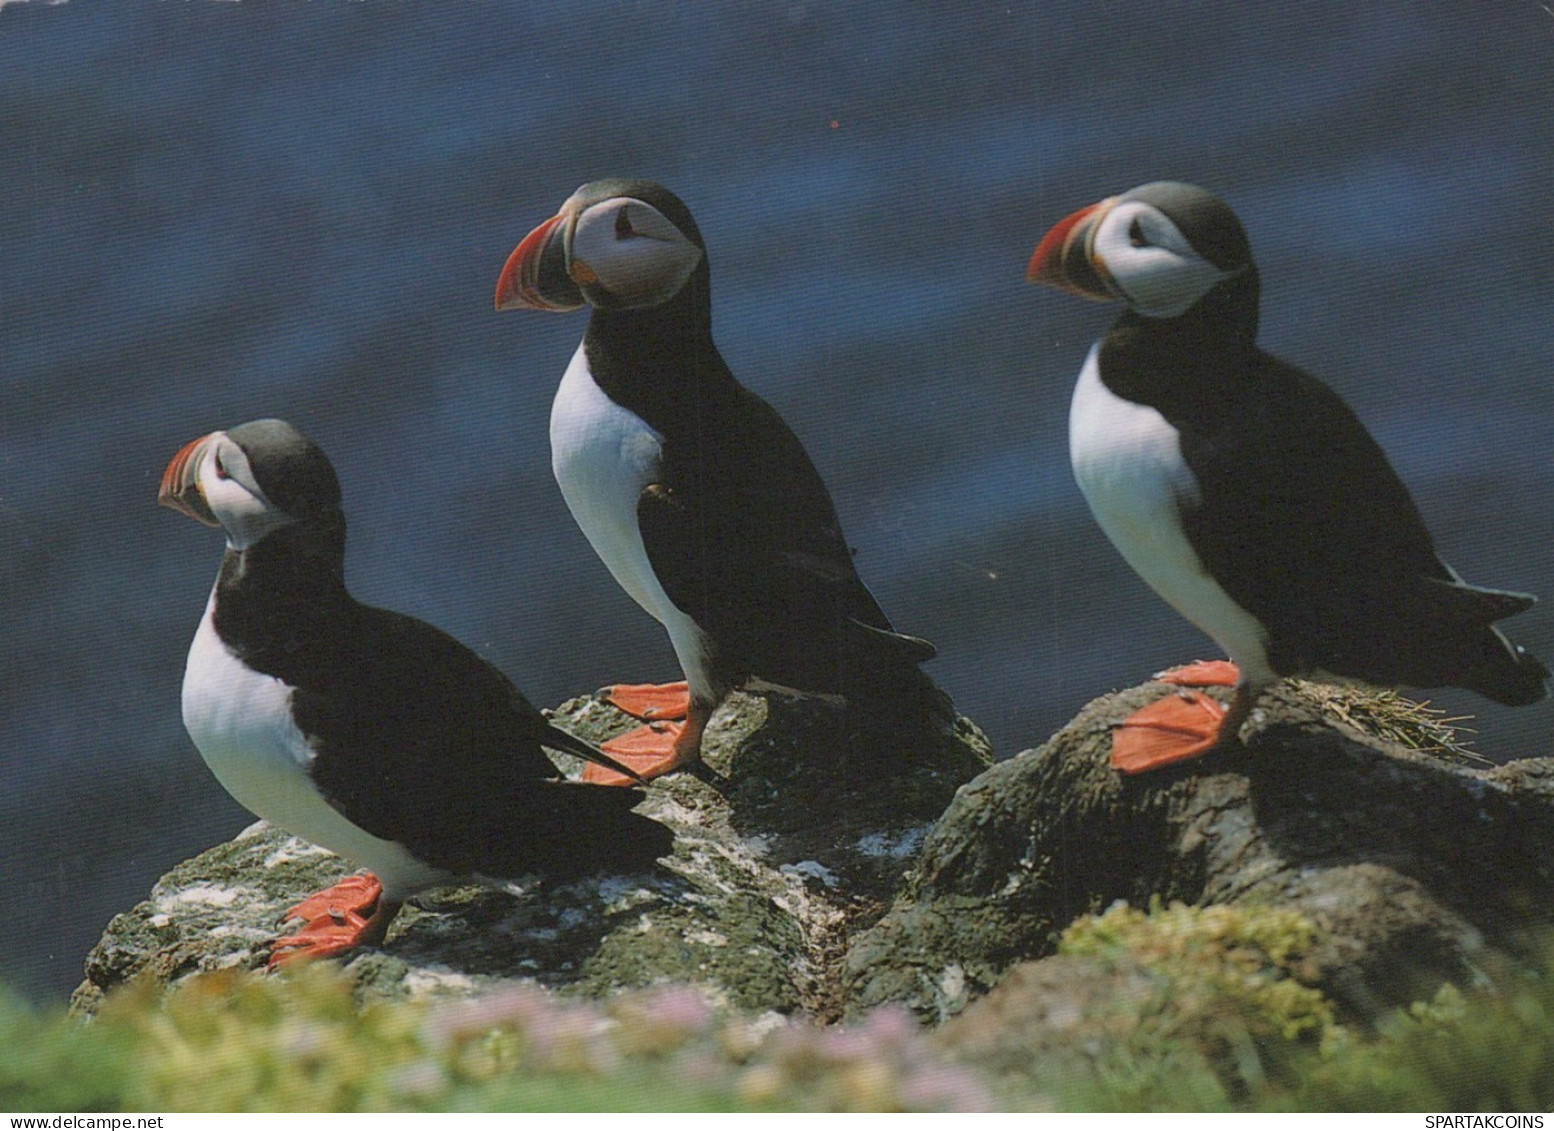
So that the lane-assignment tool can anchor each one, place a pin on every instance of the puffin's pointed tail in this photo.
(1531, 682)
(885, 679)
(571, 829)
(1471, 652)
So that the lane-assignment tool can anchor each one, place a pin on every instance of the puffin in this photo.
(1246, 492)
(367, 732)
(693, 491)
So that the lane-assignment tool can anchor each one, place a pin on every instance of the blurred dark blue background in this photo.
(214, 212)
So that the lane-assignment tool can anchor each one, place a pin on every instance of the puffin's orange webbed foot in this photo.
(1202, 673)
(1174, 729)
(655, 749)
(350, 914)
(651, 751)
(651, 702)
(358, 893)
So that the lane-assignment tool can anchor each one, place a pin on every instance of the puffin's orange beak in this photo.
(535, 274)
(1065, 259)
(180, 489)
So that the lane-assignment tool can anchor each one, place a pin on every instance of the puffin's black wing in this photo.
(744, 538)
(1306, 525)
(420, 741)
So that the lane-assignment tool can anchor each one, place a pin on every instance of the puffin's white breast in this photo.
(1127, 460)
(241, 722)
(603, 455)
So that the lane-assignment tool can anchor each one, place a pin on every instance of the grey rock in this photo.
(1415, 869)
(810, 875)
(793, 835)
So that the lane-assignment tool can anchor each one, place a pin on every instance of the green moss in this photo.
(1244, 958)
(1487, 1052)
(1230, 1025)
(1222, 1015)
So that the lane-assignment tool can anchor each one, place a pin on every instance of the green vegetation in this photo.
(1488, 1053)
(1244, 960)
(1228, 1021)
(1210, 1013)
(1225, 1019)
(244, 1042)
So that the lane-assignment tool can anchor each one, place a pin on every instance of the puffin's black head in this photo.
(251, 480)
(1160, 248)
(616, 244)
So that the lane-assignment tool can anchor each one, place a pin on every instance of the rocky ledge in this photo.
(794, 834)
(1389, 869)
(1414, 868)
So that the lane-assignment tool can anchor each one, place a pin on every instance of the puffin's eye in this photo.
(221, 468)
(623, 228)
(1136, 233)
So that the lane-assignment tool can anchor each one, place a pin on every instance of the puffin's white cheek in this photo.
(247, 521)
(1170, 286)
(652, 273)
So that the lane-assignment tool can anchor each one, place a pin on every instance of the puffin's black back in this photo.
(747, 541)
(1310, 527)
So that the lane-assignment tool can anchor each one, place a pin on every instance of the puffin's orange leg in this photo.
(653, 750)
(353, 913)
(1203, 673)
(651, 701)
